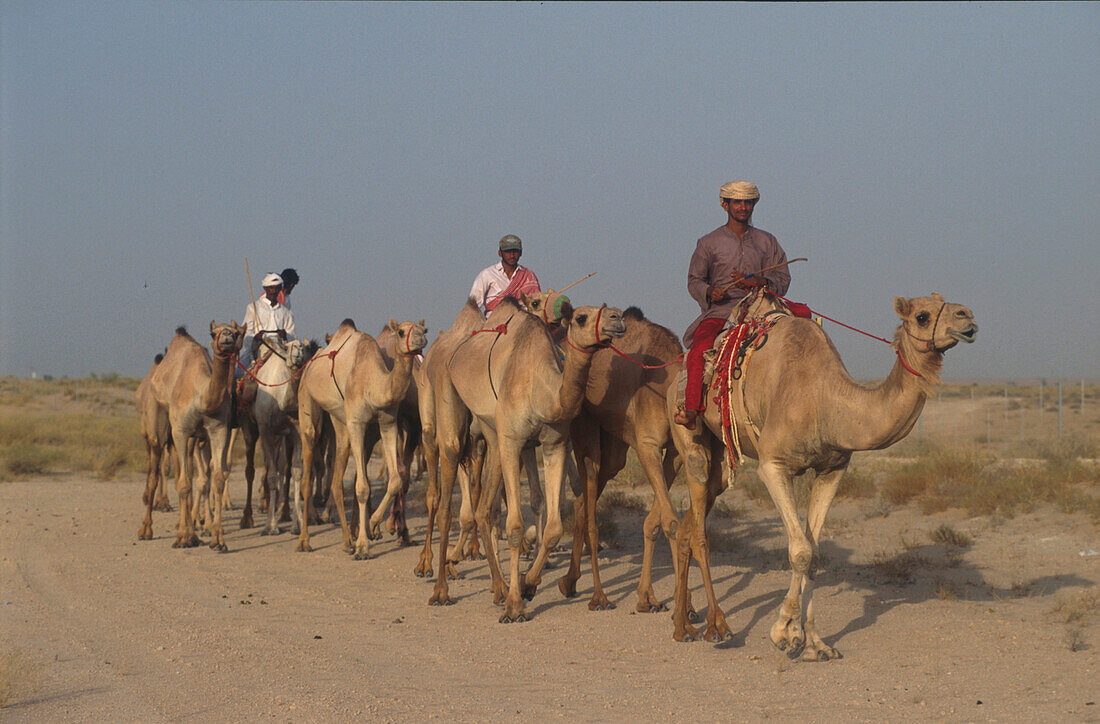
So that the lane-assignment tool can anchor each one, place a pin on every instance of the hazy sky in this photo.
(148, 148)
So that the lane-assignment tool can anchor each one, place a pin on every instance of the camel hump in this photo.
(158, 359)
(182, 331)
(633, 314)
(348, 322)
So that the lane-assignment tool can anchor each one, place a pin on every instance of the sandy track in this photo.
(127, 630)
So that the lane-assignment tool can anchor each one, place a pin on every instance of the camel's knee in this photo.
(802, 559)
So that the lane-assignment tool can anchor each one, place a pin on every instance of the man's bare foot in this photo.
(686, 418)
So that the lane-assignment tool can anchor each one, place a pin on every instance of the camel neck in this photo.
(217, 389)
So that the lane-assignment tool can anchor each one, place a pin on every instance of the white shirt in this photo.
(490, 283)
(271, 319)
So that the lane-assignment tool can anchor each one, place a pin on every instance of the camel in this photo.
(158, 443)
(511, 379)
(408, 426)
(548, 306)
(355, 388)
(796, 408)
(624, 407)
(193, 391)
(273, 420)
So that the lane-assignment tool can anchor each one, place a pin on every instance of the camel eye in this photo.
(922, 318)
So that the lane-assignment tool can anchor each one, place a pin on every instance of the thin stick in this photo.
(577, 282)
(248, 275)
(758, 273)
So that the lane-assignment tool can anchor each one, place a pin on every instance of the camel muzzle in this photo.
(964, 335)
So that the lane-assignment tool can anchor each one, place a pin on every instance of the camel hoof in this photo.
(686, 638)
(650, 607)
(452, 572)
(693, 616)
(361, 555)
(520, 617)
(440, 599)
(305, 547)
(567, 587)
(219, 547)
(191, 541)
(527, 592)
(600, 605)
(422, 570)
(163, 506)
(246, 523)
(271, 531)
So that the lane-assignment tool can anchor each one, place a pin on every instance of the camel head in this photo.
(930, 323)
(298, 353)
(592, 327)
(549, 306)
(411, 337)
(227, 338)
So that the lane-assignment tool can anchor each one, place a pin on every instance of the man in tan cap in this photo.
(504, 279)
(732, 251)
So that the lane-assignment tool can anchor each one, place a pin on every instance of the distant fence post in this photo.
(1059, 408)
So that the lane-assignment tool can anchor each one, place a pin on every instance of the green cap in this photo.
(511, 242)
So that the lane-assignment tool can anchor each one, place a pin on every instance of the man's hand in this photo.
(715, 294)
(282, 334)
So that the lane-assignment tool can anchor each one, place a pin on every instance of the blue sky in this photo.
(148, 149)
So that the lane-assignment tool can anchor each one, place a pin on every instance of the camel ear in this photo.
(393, 325)
(526, 299)
(421, 323)
(211, 329)
(937, 297)
(902, 306)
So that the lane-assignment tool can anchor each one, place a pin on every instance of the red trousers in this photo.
(705, 333)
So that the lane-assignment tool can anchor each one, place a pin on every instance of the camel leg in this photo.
(201, 506)
(701, 463)
(451, 431)
(787, 632)
(219, 444)
(555, 444)
(536, 497)
(510, 452)
(167, 454)
(362, 436)
(821, 497)
(423, 567)
(272, 449)
(660, 472)
(309, 430)
(251, 434)
(396, 482)
(339, 467)
(289, 439)
(472, 550)
(487, 514)
(186, 537)
(149, 497)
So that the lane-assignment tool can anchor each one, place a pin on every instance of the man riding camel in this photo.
(731, 252)
(506, 279)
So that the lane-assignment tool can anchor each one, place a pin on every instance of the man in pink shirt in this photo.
(732, 251)
(505, 279)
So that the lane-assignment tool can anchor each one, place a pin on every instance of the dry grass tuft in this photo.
(948, 536)
(34, 442)
(18, 678)
(898, 568)
(1078, 607)
(946, 591)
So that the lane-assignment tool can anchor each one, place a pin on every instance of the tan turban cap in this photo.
(739, 190)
